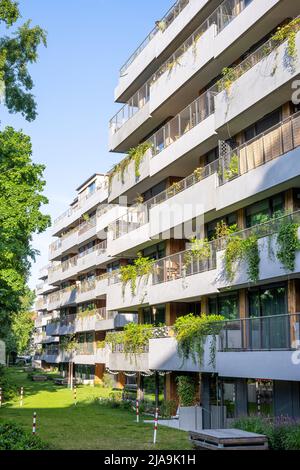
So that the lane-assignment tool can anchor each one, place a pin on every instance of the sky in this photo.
(75, 77)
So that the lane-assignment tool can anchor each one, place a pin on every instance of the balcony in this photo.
(54, 301)
(54, 274)
(260, 347)
(68, 296)
(83, 205)
(87, 230)
(118, 360)
(129, 231)
(122, 184)
(268, 92)
(165, 22)
(86, 291)
(114, 320)
(92, 258)
(185, 65)
(87, 321)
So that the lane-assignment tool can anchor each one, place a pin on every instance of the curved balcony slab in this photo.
(122, 362)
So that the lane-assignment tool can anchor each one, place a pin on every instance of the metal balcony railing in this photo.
(187, 119)
(134, 218)
(266, 333)
(277, 141)
(164, 23)
(179, 266)
(221, 17)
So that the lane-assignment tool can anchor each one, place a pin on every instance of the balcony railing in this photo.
(79, 205)
(268, 333)
(70, 263)
(165, 22)
(221, 17)
(199, 175)
(180, 265)
(85, 349)
(277, 141)
(134, 218)
(88, 225)
(190, 117)
(87, 286)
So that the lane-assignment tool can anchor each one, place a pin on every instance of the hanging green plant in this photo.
(238, 250)
(229, 76)
(288, 32)
(288, 244)
(69, 344)
(141, 267)
(192, 332)
(233, 168)
(199, 173)
(200, 251)
(137, 154)
(134, 338)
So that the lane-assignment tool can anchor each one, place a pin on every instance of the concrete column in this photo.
(205, 400)
(170, 387)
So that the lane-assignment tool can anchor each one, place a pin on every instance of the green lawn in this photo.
(86, 426)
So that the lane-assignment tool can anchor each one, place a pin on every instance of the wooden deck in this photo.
(228, 439)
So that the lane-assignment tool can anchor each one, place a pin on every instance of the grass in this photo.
(87, 426)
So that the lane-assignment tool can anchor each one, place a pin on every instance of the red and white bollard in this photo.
(0, 397)
(21, 396)
(75, 395)
(137, 411)
(155, 426)
(34, 424)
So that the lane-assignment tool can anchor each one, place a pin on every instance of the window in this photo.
(156, 316)
(263, 124)
(263, 211)
(225, 305)
(156, 251)
(157, 189)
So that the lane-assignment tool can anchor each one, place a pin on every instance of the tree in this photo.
(21, 199)
(16, 52)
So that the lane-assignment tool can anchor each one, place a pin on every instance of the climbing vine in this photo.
(134, 338)
(233, 168)
(186, 389)
(200, 251)
(141, 267)
(135, 154)
(288, 244)
(191, 334)
(288, 32)
(238, 250)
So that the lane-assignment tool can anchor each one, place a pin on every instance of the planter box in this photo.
(190, 418)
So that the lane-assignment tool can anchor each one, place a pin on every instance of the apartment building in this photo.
(211, 126)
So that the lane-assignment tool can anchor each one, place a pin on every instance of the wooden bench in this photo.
(228, 439)
(39, 378)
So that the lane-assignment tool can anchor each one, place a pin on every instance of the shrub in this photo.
(186, 388)
(13, 437)
(168, 408)
(282, 433)
(9, 390)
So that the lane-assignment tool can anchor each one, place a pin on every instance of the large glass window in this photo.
(268, 327)
(156, 251)
(155, 316)
(263, 211)
(225, 305)
(263, 124)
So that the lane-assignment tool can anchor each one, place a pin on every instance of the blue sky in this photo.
(75, 77)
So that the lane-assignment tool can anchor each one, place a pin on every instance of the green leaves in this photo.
(134, 338)
(238, 250)
(21, 199)
(186, 389)
(191, 333)
(16, 52)
(9, 12)
(129, 273)
(288, 243)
